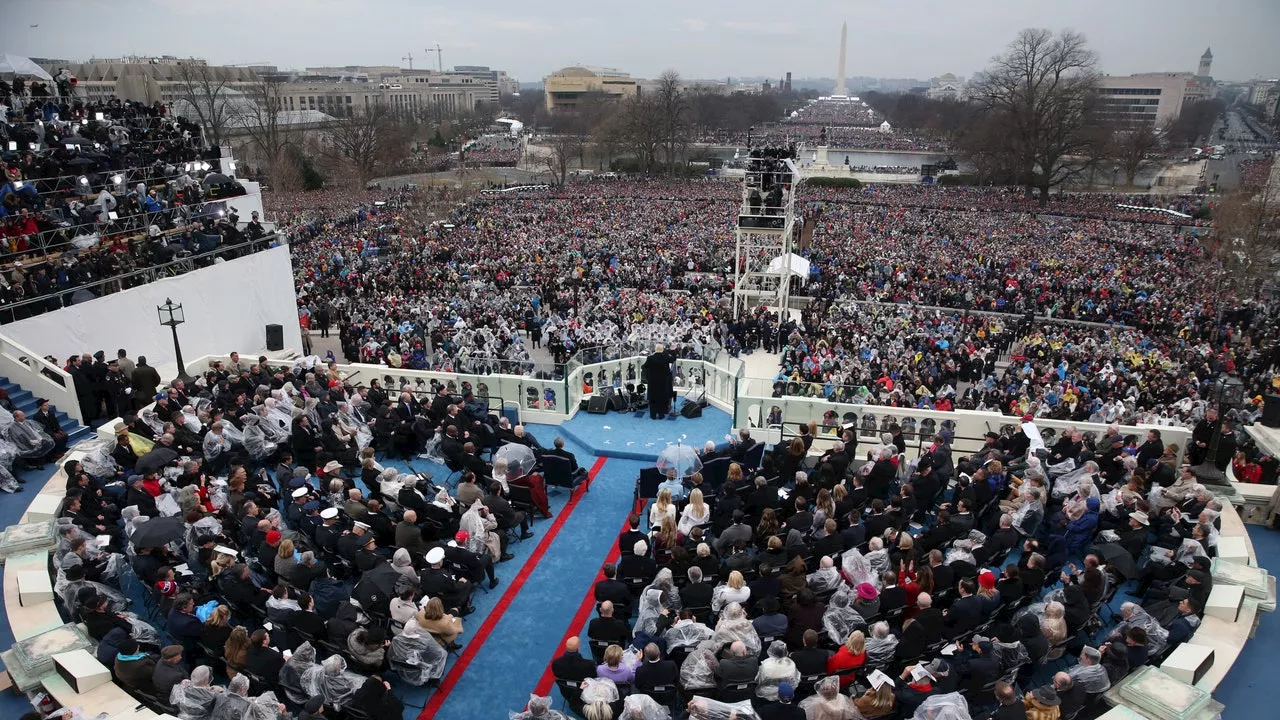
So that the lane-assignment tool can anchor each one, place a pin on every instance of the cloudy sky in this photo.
(699, 38)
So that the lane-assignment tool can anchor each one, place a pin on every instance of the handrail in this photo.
(39, 376)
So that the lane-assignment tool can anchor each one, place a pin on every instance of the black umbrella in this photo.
(157, 532)
(1118, 559)
(215, 179)
(154, 460)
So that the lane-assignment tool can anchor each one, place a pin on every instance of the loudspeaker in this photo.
(275, 337)
(1271, 410)
(691, 410)
(618, 401)
(598, 405)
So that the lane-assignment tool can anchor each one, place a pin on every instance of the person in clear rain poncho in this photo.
(665, 581)
(480, 531)
(826, 578)
(703, 708)
(734, 625)
(331, 680)
(416, 656)
(686, 632)
(290, 680)
(697, 672)
(29, 439)
(638, 706)
(265, 707)
(1134, 615)
(776, 668)
(951, 706)
(256, 442)
(233, 704)
(538, 708)
(880, 644)
(651, 601)
(827, 703)
(195, 697)
(856, 569)
(353, 426)
(840, 619)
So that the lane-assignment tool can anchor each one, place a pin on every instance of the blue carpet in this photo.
(624, 435)
(1244, 689)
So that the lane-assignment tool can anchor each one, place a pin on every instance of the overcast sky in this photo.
(699, 38)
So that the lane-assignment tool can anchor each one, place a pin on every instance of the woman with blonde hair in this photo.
(1054, 627)
(851, 656)
(216, 630)
(445, 628)
(875, 702)
(661, 508)
(734, 590)
(697, 512)
(667, 538)
(613, 668)
(236, 650)
(735, 474)
(826, 504)
(285, 562)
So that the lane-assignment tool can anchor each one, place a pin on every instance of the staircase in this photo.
(26, 402)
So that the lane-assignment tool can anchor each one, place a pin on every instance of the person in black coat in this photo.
(305, 619)
(572, 665)
(612, 589)
(892, 597)
(784, 709)
(697, 594)
(966, 612)
(237, 586)
(628, 538)
(977, 665)
(169, 671)
(638, 564)
(607, 628)
(654, 671)
(811, 659)
(376, 699)
(262, 659)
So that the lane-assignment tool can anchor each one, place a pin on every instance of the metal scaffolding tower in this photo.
(766, 224)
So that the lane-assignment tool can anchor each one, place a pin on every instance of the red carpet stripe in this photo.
(580, 618)
(474, 644)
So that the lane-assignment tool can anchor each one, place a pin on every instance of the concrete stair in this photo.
(26, 402)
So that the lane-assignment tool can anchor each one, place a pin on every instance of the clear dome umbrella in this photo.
(519, 459)
(679, 461)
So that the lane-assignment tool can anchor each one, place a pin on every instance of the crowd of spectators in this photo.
(848, 587)
(292, 542)
(92, 190)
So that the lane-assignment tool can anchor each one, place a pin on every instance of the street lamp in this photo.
(1228, 394)
(172, 316)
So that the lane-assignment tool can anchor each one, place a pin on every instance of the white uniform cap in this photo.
(435, 555)
(329, 513)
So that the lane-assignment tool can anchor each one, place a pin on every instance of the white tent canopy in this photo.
(18, 65)
(795, 264)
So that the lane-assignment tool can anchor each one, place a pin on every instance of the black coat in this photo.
(652, 674)
(573, 667)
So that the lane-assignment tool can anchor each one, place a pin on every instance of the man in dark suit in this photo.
(607, 628)
(507, 516)
(409, 535)
(977, 666)
(638, 564)
(1010, 584)
(998, 543)
(764, 496)
(811, 659)
(697, 594)
(654, 671)
(739, 667)
(559, 451)
(262, 659)
(930, 618)
(627, 540)
(892, 597)
(169, 671)
(571, 665)
(942, 575)
(784, 709)
(611, 588)
(184, 627)
(469, 460)
(966, 612)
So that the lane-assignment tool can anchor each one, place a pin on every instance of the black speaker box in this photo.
(691, 410)
(275, 337)
(1271, 410)
(618, 401)
(598, 405)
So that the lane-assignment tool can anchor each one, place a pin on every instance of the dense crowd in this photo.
(843, 588)
(253, 510)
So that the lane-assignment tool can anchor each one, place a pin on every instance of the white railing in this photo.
(39, 377)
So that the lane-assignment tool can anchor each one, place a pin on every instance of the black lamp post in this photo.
(1228, 394)
(172, 316)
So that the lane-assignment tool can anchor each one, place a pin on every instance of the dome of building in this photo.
(575, 71)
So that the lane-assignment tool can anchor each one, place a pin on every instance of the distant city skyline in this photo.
(712, 39)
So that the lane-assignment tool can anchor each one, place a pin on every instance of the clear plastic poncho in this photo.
(878, 562)
(331, 680)
(776, 668)
(951, 706)
(230, 706)
(215, 444)
(697, 672)
(353, 427)
(824, 580)
(702, 708)
(856, 568)
(97, 460)
(264, 707)
(290, 680)
(599, 690)
(416, 656)
(650, 611)
(195, 697)
(880, 651)
(686, 633)
(256, 442)
(827, 703)
(1068, 483)
(1157, 636)
(840, 619)
(30, 440)
(664, 580)
(734, 625)
(538, 708)
(638, 706)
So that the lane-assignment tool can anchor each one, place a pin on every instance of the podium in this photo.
(81, 670)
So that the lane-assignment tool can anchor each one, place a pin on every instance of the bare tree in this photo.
(1246, 238)
(205, 90)
(1131, 144)
(1045, 86)
(642, 127)
(365, 143)
(672, 109)
(563, 148)
(262, 121)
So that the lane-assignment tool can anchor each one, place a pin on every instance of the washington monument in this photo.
(841, 90)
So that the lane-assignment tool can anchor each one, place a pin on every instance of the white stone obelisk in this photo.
(841, 90)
